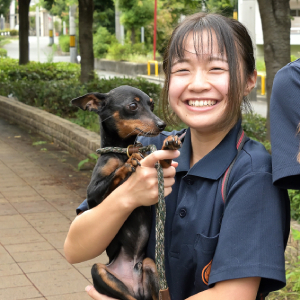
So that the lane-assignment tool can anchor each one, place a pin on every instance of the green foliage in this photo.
(4, 6)
(3, 52)
(103, 39)
(295, 204)
(51, 86)
(118, 51)
(292, 289)
(136, 13)
(255, 127)
(10, 70)
(293, 57)
(64, 43)
(260, 65)
(10, 32)
(223, 7)
(92, 158)
(104, 15)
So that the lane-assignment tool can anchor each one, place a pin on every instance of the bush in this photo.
(64, 43)
(9, 32)
(3, 52)
(255, 127)
(11, 71)
(119, 52)
(101, 42)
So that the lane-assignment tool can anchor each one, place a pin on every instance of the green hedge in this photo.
(3, 52)
(11, 32)
(64, 43)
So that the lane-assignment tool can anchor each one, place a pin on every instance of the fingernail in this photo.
(88, 288)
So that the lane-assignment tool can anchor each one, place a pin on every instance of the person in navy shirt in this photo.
(284, 124)
(221, 241)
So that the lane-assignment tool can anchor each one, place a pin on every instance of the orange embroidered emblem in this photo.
(206, 272)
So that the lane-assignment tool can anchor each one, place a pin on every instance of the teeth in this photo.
(200, 103)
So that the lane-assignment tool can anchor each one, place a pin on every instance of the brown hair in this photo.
(233, 41)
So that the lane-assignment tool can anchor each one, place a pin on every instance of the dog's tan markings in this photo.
(151, 100)
(111, 165)
(127, 128)
(137, 99)
(150, 284)
(103, 273)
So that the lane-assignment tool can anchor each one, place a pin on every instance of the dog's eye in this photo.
(133, 106)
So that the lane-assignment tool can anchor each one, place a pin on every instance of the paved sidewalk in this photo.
(40, 188)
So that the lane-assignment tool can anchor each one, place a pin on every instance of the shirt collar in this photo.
(215, 163)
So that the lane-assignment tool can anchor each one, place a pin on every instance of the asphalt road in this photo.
(46, 52)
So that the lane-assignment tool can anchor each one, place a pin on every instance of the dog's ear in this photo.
(90, 101)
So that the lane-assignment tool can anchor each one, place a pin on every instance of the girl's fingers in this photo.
(151, 159)
(95, 295)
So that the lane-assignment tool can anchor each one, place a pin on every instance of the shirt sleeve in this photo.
(253, 233)
(284, 121)
(82, 207)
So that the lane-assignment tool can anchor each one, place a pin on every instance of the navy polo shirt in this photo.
(284, 121)
(207, 241)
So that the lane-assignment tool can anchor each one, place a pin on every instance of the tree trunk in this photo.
(132, 35)
(24, 32)
(86, 10)
(276, 24)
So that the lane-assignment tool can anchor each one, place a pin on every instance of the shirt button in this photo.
(189, 181)
(182, 213)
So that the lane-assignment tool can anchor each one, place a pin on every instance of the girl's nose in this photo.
(199, 82)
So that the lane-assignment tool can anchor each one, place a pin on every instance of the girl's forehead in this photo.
(201, 43)
(204, 45)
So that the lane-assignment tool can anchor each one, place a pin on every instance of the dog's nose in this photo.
(161, 125)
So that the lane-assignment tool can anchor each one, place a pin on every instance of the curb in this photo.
(72, 137)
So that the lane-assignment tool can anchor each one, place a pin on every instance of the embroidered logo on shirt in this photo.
(206, 272)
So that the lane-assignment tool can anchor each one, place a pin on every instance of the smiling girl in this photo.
(223, 240)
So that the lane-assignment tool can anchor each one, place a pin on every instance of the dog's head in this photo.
(125, 109)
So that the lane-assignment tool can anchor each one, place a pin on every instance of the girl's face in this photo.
(198, 86)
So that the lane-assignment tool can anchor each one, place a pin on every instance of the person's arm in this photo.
(92, 231)
(235, 289)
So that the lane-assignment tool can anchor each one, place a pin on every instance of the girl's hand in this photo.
(95, 295)
(142, 186)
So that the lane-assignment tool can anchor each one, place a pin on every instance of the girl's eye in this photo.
(179, 71)
(133, 106)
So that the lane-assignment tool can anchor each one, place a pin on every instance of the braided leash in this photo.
(160, 213)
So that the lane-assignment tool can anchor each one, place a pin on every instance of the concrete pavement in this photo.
(40, 188)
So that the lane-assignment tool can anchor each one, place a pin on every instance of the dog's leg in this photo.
(172, 142)
(150, 279)
(106, 283)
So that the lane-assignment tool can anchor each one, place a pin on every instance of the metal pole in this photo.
(142, 35)
(154, 32)
(37, 26)
(73, 50)
(64, 28)
(12, 9)
(51, 39)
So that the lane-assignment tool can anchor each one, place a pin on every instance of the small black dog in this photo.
(125, 113)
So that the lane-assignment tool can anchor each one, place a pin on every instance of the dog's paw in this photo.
(172, 142)
(134, 160)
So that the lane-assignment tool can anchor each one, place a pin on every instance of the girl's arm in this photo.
(92, 231)
(234, 289)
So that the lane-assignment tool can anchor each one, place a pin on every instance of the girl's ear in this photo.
(91, 101)
(250, 84)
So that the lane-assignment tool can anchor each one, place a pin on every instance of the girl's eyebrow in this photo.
(217, 58)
